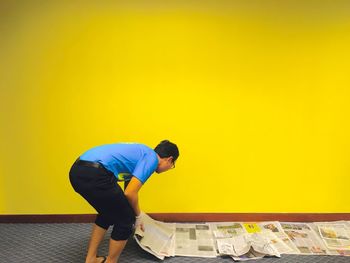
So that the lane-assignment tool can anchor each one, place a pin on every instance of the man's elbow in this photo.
(130, 195)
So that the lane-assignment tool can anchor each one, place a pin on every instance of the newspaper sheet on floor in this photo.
(243, 241)
(249, 246)
(335, 235)
(227, 229)
(304, 238)
(158, 238)
(194, 240)
(276, 228)
(247, 241)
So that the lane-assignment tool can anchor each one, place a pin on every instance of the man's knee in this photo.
(102, 221)
(122, 232)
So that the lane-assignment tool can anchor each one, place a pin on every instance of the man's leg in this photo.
(95, 240)
(115, 249)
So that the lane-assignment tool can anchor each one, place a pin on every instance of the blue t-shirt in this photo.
(132, 159)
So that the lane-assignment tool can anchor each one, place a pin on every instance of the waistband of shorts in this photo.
(96, 165)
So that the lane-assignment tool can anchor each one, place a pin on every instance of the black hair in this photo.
(167, 149)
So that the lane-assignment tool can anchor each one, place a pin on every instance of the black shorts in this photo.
(99, 187)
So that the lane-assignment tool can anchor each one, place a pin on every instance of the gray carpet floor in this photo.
(68, 243)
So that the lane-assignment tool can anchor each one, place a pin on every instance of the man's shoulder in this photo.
(138, 145)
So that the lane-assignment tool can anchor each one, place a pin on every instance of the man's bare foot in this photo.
(98, 259)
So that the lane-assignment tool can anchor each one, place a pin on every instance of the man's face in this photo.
(165, 165)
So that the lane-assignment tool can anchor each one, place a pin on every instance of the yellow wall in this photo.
(255, 95)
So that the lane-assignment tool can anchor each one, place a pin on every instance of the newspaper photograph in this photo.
(194, 240)
(304, 238)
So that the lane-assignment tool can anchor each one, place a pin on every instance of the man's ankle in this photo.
(111, 260)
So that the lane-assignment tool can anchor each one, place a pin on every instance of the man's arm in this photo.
(131, 193)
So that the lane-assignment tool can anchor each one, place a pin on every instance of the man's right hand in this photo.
(139, 222)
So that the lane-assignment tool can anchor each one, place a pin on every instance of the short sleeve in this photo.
(145, 167)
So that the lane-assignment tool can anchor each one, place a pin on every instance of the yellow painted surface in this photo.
(256, 95)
